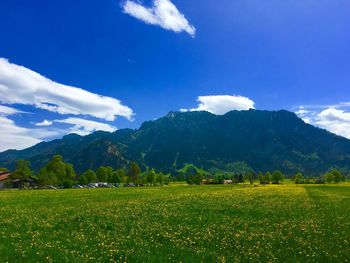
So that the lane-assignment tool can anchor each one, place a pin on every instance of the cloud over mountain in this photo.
(85, 127)
(13, 136)
(334, 120)
(331, 118)
(221, 104)
(20, 85)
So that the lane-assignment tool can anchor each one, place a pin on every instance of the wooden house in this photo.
(5, 180)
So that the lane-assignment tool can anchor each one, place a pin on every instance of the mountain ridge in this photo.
(265, 140)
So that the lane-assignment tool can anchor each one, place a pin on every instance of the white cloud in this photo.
(44, 123)
(85, 127)
(330, 118)
(11, 135)
(334, 120)
(304, 114)
(20, 85)
(4, 110)
(163, 13)
(221, 104)
(14, 137)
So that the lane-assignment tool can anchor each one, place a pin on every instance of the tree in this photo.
(249, 177)
(219, 178)
(168, 178)
(196, 178)
(151, 177)
(121, 177)
(141, 180)
(267, 178)
(104, 173)
(56, 172)
(190, 171)
(277, 176)
(329, 177)
(43, 177)
(57, 167)
(90, 176)
(22, 172)
(113, 178)
(337, 175)
(134, 172)
(261, 177)
(3, 170)
(199, 178)
(240, 178)
(70, 173)
(181, 177)
(83, 180)
(299, 178)
(67, 183)
(160, 178)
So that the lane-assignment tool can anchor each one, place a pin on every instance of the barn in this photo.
(5, 180)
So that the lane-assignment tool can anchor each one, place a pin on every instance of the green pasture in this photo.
(177, 223)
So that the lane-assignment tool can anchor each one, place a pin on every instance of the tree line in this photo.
(57, 172)
(333, 176)
(239, 173)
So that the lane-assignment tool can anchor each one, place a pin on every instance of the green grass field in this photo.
(177, 223)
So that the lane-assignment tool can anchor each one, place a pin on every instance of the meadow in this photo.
(177, 223)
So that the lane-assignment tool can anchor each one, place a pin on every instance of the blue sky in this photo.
(151, 57)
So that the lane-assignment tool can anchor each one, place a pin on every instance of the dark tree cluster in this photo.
(333, 176)
(59, 173)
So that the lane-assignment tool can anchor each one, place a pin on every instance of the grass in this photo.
(178, 223)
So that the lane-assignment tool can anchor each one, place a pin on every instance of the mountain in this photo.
(265, 140)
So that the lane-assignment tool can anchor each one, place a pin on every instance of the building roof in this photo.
(28, 180)
(4, 176)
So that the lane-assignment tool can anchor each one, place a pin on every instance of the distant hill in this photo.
(265, 140)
